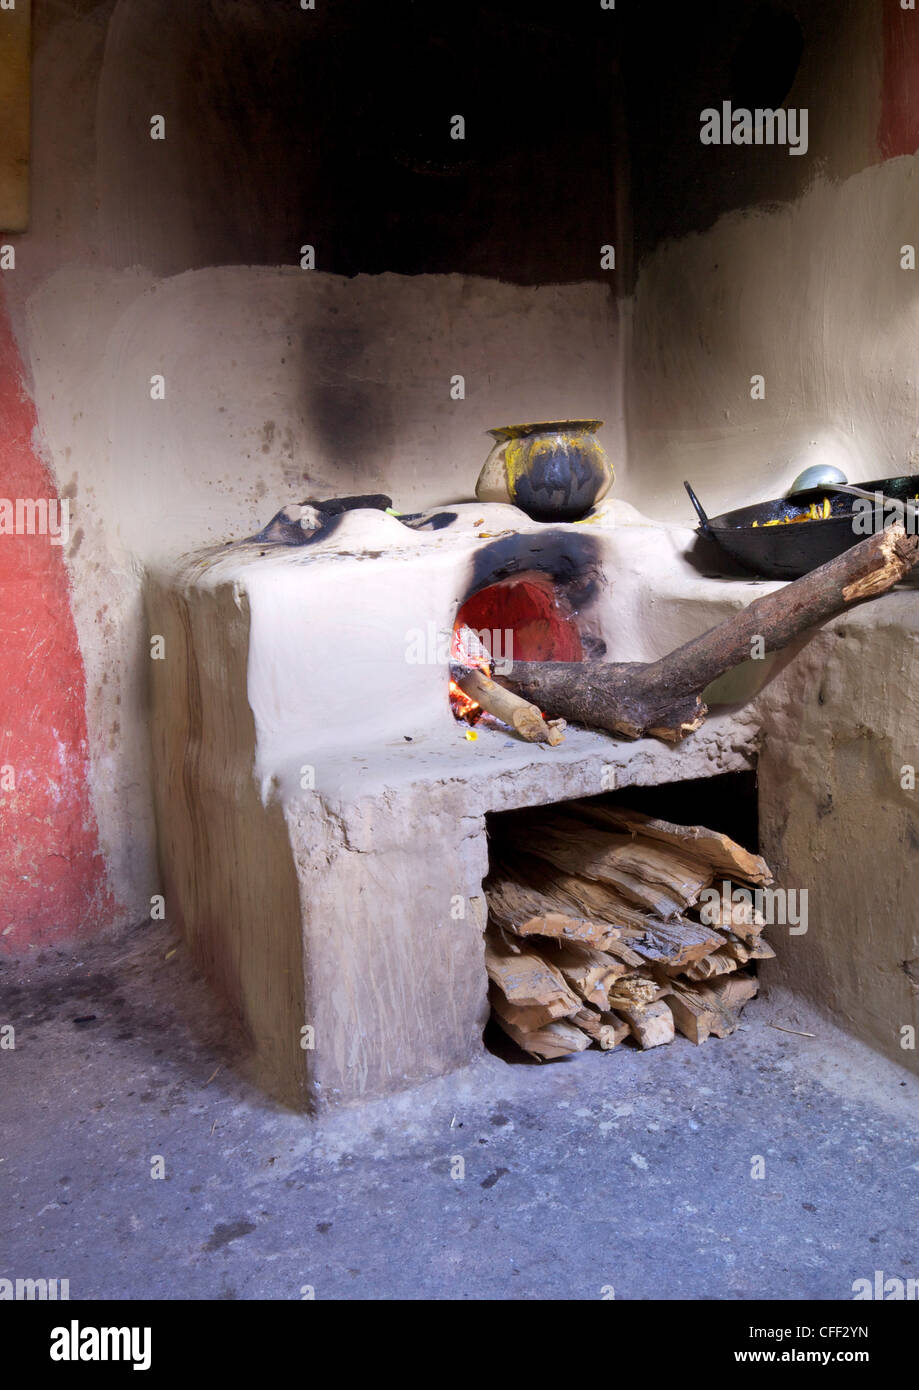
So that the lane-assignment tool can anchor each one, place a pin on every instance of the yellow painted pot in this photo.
(554, 470)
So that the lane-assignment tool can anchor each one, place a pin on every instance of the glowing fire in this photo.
(468, 650)
(463, 707)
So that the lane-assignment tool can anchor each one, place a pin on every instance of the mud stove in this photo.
(322, 810)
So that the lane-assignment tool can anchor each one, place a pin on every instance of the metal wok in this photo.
(788, 551)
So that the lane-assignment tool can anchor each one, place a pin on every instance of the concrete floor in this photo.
(626, 1169)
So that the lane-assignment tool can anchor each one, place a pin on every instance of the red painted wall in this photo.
(52, 879)
(898, 132)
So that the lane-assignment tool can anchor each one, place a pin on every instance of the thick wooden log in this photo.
(664, 698)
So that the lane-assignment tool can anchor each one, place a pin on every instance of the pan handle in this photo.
(909, 508)
(700, 510)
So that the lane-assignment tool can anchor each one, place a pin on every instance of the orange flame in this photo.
(467, 650)
(462, 705)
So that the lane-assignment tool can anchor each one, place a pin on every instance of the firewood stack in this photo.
(596, 932)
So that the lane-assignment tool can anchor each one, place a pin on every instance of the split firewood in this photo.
(557, 1039)
(525, 978)
(726, 857)
(642, 938)
(522, 910)
(757, 950)
(748, 933)
(591, 974)
(692, 1016)
(718, 963)
(740, 919)
(673, 943)
(651, 1025)
(573, 947)
(622, 952)
(734, 992)
(527, 1017)
(738, 916)
(664, 698)
(722, 962)
(579, 896)
(655, 877)
(606, 1029)
(636, 989)
(700, 1011)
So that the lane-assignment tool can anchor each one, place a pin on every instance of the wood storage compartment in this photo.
(609, 924)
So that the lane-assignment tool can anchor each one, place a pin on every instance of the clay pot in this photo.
(554, 470)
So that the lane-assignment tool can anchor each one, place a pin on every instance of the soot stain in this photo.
(571, 561)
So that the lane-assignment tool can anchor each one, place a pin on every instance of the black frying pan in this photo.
(787, 552)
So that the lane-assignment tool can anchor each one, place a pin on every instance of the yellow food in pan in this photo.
(817, 511)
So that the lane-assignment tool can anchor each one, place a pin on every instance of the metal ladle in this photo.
(817, 475)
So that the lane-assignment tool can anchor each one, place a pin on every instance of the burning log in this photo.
(504, 704)
(471, 673)
(664, 698)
